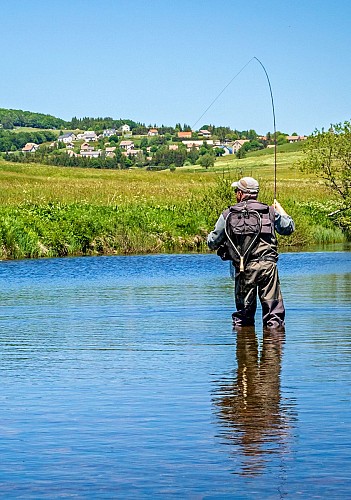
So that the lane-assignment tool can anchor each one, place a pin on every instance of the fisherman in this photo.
(245, 235)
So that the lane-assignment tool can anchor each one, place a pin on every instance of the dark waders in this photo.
(262, 278)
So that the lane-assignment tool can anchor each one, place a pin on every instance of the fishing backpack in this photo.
(246, 224)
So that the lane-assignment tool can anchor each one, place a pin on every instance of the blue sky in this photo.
(164, 62)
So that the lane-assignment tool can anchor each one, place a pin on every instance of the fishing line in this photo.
(273, 111)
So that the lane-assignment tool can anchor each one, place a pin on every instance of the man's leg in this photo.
(273, 311)
(245, 296)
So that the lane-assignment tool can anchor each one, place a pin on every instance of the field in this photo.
(53, 211)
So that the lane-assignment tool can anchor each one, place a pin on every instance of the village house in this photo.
(110, 152)
(70, 145)
(184, 135)
(173, 147)
(86, 147)
(204, 133)
(197, 144)
(132, 152)
(90, 154)
(30, 147)
(108, 132)
(238, 144)
(152, 132)
(127, 145)
(125, 129)
(90, 135)
(67, 138)
(295, 138)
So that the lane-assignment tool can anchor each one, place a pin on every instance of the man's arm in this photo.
(217, 236)
(283, 223)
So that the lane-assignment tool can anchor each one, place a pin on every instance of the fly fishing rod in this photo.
(273, 112)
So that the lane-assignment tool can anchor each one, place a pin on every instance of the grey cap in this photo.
(247, 185)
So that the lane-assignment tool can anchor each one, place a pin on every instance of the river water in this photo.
(121, 377)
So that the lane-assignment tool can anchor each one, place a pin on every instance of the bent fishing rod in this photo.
(273, 112)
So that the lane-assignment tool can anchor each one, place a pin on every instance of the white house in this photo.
(30, 147)
(67, 138)
(238, 144)
(204, 133)
(108, 132)
(152, 132)
(90, 135)
(296, 138)
(90, 154)
(127, 145)
(125, 129)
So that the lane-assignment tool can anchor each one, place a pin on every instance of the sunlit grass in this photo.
(50, 211)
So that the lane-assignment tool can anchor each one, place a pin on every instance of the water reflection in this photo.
(249, 406)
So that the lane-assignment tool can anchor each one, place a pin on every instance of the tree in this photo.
(218, 151)
(206, 160)
(328, 155)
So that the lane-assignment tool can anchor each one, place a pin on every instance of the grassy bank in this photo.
(55, 211)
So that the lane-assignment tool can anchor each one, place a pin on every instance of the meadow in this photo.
(48, 211)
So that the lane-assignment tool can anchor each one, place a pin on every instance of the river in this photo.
(121, 377)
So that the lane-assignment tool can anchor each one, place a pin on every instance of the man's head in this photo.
(246, 187)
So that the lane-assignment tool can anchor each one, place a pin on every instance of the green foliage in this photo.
(47, 211)
(207, 160)
(10, 118)
(328, 155)
(11, 141)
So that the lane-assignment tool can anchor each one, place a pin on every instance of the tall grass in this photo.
(59, 211)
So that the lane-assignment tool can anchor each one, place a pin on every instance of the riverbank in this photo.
(59, 211)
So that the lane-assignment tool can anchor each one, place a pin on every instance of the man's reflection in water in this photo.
(250, 405)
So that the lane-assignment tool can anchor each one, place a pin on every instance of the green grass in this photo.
(53, 211)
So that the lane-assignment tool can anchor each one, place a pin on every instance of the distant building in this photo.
(127, 145)
(108, 132)
(152, 132)
(238, 144)
(90, 135)
(86, 147)
(110, 152)
(295, 138)
(67, 138)
(125, 127)
(197, 144)
(90, 154)
(204, 133)
(30, 147)
(184, 135)
(132, 152)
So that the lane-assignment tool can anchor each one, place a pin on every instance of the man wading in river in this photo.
(245, 235)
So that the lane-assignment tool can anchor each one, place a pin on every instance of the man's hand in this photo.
(277, 206)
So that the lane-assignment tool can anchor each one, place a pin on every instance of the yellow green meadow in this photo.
(56, 211)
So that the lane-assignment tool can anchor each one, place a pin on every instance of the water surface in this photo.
(121, 377)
